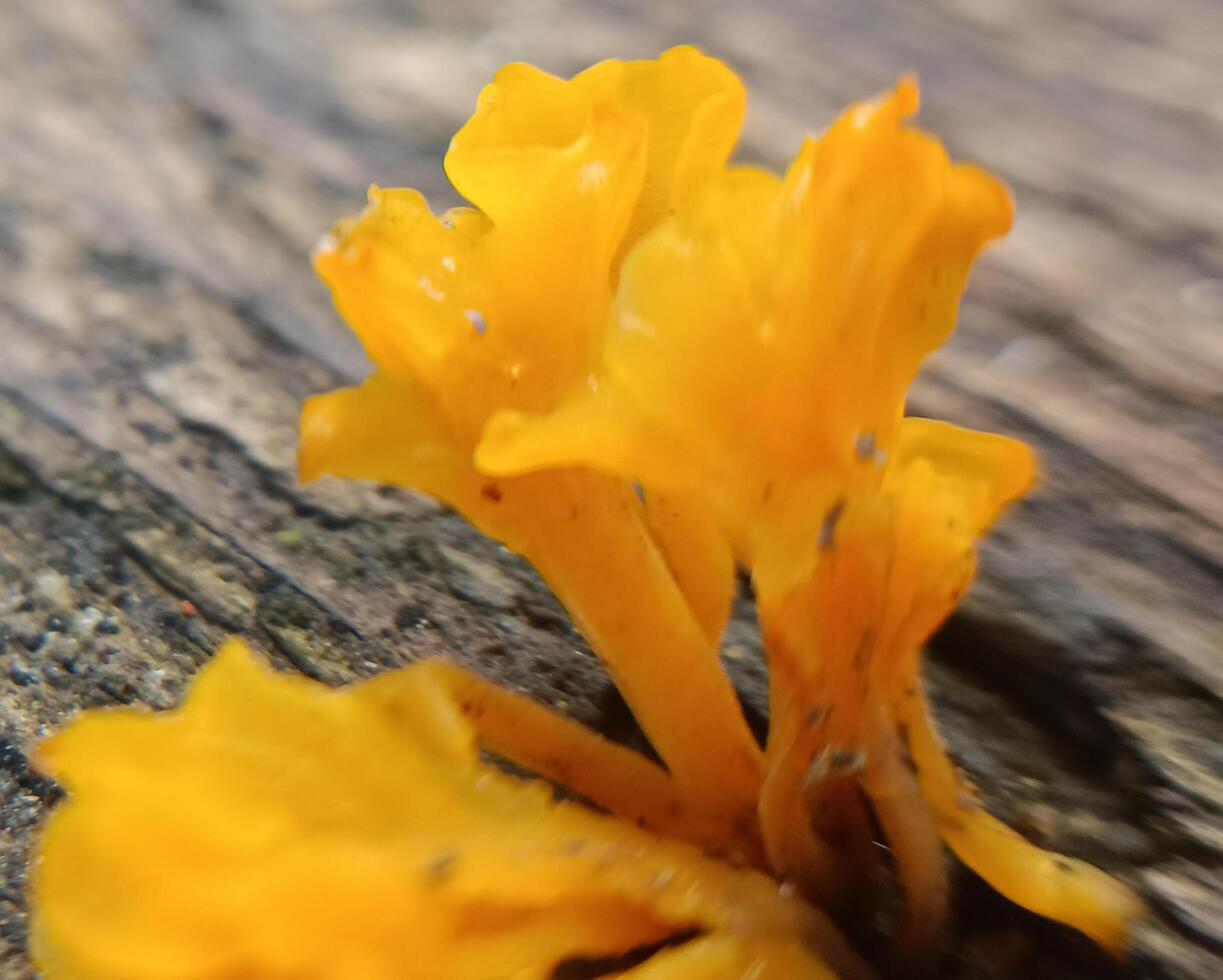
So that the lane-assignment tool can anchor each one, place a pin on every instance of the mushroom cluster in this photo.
(642, 368)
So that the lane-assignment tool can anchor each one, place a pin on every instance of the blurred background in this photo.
(167, 165)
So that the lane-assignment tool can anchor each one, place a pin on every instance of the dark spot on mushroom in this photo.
(846, 760)
(906, 757)
(441, 867)
(491, 492)
(866, 648)
(829, 527)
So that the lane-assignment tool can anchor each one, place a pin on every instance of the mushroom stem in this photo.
(795, 851)
(567, 753)
(909, 828)
(699, 557)
(1060, 888)
(599, 557)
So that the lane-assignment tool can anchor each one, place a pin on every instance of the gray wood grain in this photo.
(165, 168)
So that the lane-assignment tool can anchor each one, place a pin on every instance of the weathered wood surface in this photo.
(166, 166)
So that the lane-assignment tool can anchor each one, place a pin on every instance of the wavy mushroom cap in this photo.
(762, 338)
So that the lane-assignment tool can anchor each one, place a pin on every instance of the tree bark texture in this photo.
(166, 165)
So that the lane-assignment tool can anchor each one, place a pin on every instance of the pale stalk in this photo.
(597, 555)
(1060, 888)
(569, 754)
(909, 829)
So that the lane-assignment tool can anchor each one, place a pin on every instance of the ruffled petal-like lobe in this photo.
(271, 827)
(692, 107)
(725, 957)
(764, 337)
(405, 281)
(948, 485)
(498, 308)
(389, 430)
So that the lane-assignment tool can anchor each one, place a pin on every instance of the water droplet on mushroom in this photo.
(630, 322)
(476, 319)
(592, 176)
(429, 289)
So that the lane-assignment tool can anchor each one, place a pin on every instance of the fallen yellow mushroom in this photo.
(271, 827)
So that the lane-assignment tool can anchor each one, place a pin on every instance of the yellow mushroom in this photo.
(753, 371)
(271, 827)
(495, 309)
(635, 365)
